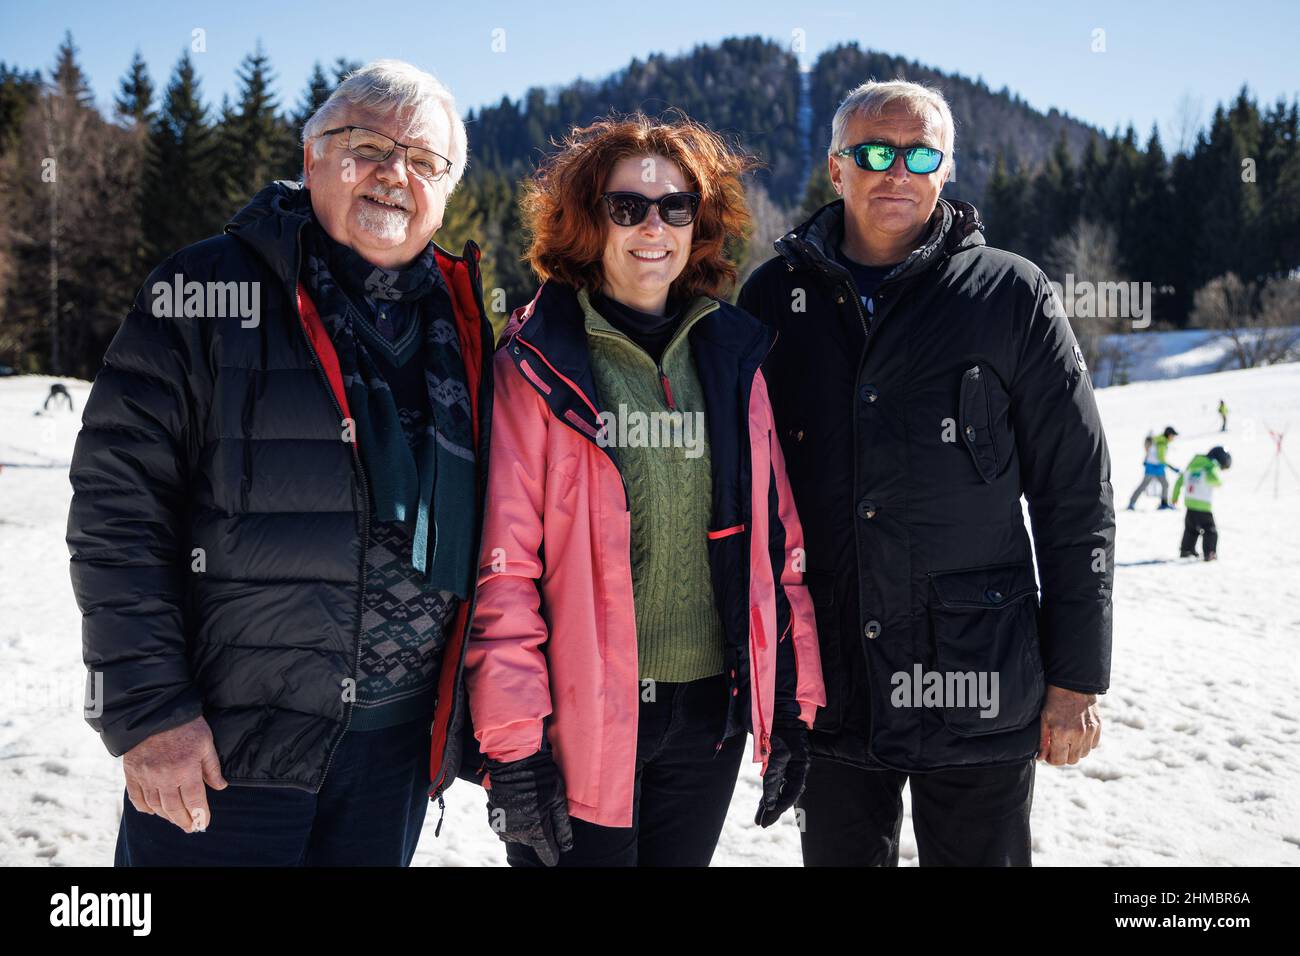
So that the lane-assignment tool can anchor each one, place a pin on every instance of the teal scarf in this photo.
(431, 488)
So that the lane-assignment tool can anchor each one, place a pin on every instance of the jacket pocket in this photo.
(985, 623)
(984, 416)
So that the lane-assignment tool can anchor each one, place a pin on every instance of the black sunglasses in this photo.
(630, 209)
(879, 157)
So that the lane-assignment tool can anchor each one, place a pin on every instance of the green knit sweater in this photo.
(670, 492)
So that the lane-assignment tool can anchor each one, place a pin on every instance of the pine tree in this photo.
(1005, 215)
(68, 77)
(134, 100)
(319, 88)
(1055, 198)
(1148, 244)
(178, 202)
(818, 191)
(18, 91)
(1280, 173)
(253, 138)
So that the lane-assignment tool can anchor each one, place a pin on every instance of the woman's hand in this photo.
(787, 772)
(526, 804)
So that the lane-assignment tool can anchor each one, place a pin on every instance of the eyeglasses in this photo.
(630, 209)
(376, 147)
(879, 157)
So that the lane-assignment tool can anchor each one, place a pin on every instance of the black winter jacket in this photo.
(909, 440)
(219, 520)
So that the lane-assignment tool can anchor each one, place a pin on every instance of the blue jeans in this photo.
(683, 786)
(369, 813)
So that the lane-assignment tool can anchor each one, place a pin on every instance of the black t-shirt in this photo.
(651, 332)
(866, 278)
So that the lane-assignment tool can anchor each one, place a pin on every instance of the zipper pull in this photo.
(442, 808)
(668, 390)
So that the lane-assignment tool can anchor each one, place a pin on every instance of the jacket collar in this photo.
(553, 328)
(955, 225)
(693, 311)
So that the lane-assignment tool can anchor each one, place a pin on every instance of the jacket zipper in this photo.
(438, 786)
(668, 389)
(365, 532)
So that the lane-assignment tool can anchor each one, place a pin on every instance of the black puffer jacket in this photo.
(908, 448)
(219, 520)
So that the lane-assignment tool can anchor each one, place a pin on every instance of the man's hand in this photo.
(165, 774)
(1069, 726)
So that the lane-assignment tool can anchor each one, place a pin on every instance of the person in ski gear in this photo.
(1202, 475)
(1153, 468)
(275, 515)
(1223, 416)
(641, 602)
(58, 392)
(922, 382)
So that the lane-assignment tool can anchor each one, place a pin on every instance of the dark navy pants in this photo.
(368, 813)
(683, 786)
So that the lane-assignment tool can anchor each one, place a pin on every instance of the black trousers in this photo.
(683, 787)
(1199, 523)
(369, 813)
(971, 817)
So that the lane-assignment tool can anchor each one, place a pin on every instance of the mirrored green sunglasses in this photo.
(879, 157)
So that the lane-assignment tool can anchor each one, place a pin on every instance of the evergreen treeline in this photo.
(1230, 204)
(92, 202)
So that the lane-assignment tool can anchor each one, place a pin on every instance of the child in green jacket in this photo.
(1202, 476)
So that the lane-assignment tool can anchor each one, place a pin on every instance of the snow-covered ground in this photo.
(1198, 762)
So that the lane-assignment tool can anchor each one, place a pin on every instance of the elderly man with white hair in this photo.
(277, 512)
(922, 383)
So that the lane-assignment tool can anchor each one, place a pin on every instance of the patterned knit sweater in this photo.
(679, 633)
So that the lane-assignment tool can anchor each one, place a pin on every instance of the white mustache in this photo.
(391, 194)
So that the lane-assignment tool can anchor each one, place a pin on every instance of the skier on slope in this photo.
(1154, 468)
(1202, 476)
(1223, 416)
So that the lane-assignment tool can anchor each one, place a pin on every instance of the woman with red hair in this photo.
(640, 599)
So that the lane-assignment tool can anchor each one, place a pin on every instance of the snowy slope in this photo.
(1198, 763)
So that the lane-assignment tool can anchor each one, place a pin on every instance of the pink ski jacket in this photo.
(553, 645)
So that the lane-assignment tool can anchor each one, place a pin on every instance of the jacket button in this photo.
(994, 596)
(866, 509)
(970, 432)
(872, 630)
(869, 393)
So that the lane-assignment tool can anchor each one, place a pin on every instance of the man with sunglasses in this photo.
(922, 382)
(276, 517)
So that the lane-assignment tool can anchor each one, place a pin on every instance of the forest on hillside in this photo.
(1213, 224)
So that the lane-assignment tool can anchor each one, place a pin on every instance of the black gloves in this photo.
(526, 805)
(787, 771)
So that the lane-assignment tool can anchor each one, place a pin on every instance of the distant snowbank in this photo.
(1161, 355)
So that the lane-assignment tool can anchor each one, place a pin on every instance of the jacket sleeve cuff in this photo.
(514, 741)
(122, 737)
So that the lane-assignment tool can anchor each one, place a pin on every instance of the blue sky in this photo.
(1160, 57)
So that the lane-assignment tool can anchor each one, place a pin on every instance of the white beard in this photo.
(387, 225)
